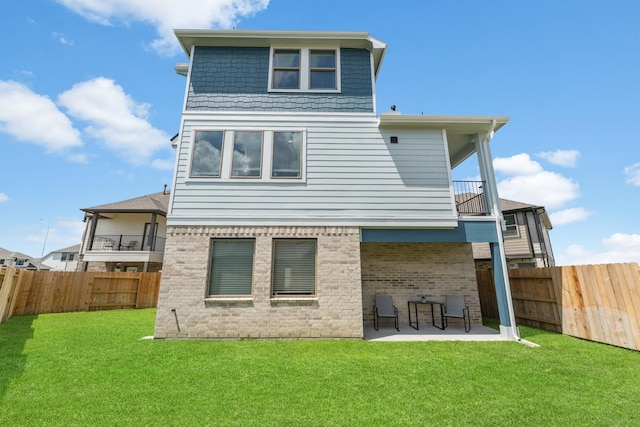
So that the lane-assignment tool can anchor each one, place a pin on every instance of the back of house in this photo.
(294, 203)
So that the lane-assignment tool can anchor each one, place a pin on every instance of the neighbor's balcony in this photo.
(470, 199)
(126, 242)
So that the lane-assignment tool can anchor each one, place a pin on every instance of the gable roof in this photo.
(512, 206)
(5, 253)
(150, 203)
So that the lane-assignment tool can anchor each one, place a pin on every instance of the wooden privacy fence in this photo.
(38, 292)
(595, 302)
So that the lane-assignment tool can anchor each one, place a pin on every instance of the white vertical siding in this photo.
(354, 176)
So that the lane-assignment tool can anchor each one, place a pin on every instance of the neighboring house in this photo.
(294, 203)
(125, 236)
(65, 259)
(526, 238)
(19, 260)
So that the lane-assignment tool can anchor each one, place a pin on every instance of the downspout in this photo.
(499, 225)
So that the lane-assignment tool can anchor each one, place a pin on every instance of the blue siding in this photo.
(466, 232)
(236, 79)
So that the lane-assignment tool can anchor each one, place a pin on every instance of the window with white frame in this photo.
(294, 267)
(231, 268)
(206, 160)
(304, 69)
(511, 224)
(280, 153)
(286, 155)
(247, 154)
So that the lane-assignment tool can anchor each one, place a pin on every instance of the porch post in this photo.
(498, 257)
(151, 237)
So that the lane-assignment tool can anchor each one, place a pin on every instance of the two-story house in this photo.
(294, 203)
(19, 260)
(526, 238)
(127, 235)
(63, 259)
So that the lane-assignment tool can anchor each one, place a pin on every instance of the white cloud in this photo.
(166, 15)
(3, 197)
(568, 216)
(60, 233)
(618, 247)
(62, 39)
(520, 164)
(34, 118)
(114, 119)
(166, 164)
(530, 183)
(566, 158)
(633, 174)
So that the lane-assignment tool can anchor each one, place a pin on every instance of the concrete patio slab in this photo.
(430, 333)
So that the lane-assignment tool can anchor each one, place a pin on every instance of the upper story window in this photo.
(304, 70)
(512, 225)
(207, 154)
(233, 155)
(247, 154)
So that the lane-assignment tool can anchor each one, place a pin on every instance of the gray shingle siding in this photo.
(236, 79)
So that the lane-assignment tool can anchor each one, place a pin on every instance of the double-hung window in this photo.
(304, 70)
(231, 270)
(511, 225)
(322, 69)
(294, 267)
(286, 69)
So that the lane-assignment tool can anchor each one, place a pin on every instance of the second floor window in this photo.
(304, 70)
(234, 155)
(286, 69)
(207, 154)
(512, 225)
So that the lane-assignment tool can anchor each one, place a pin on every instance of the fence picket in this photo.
(595, 302)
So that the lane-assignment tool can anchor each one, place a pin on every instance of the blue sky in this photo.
(89, 100)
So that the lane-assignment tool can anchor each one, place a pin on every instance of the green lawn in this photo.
(93, 369)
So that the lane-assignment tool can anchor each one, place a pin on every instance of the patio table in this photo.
(433, 320)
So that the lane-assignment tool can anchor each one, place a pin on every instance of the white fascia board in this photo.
(453, 124)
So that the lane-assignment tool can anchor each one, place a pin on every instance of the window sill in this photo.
(227, 300)
(294, 300)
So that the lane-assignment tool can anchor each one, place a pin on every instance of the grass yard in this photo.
(93, 369)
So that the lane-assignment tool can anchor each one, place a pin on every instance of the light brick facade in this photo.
(335, 312)
(408, 270)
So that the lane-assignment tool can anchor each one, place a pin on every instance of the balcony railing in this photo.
(125, 242)
(470, 199)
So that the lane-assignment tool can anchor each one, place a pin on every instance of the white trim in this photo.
(316, 116)
(452, 194)
(292, 220)
(517, 228)
(305, 69)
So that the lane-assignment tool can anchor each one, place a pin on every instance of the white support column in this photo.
(498, 256)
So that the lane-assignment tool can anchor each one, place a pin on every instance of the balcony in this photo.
(127, 242)
(470, 199)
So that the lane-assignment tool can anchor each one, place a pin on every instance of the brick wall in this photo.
(407, 270)
(336, 312)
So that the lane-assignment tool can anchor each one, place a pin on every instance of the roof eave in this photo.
(258, 38)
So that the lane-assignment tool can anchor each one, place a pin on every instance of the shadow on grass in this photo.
(14, 334)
